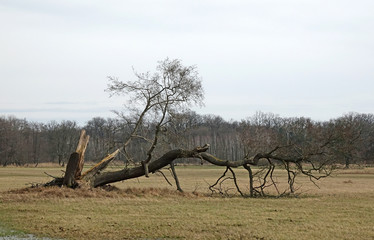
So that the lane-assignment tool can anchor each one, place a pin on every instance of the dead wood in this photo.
(93, 171)
(96, 176)
(81, 149)
(71, 167)
(175, 176)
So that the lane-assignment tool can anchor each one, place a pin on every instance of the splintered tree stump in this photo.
(81, 149)
(71, 168)
(76, 162)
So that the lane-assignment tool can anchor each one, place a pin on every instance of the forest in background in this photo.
(23, 142)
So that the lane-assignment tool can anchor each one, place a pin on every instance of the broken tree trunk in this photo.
(164, 160)
(71, 168)
(76, 162)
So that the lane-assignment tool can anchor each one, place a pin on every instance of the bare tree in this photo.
(157, 101)
(349, 136)
(154, 100)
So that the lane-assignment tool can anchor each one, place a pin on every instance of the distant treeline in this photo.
(351, 137)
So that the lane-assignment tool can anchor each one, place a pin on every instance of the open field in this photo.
(342, 208)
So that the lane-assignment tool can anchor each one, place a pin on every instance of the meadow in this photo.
(148, 208)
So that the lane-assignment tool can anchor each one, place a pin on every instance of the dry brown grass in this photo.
(148, 208)
(38, 193)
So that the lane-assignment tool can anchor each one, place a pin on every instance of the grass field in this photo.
(342, 208)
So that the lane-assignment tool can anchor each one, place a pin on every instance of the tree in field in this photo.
(154, 100)
(158, 111)
(350, 136)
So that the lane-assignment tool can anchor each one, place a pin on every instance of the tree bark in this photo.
(71, 168)
(128, 173)
(250, 173)
(76, 162)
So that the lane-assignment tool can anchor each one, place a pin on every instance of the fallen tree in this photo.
(156, 101)
(97, 177)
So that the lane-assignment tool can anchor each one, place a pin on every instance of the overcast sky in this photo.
(312, 58)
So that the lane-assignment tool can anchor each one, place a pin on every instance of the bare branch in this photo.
(175, 176)
(166, 179)
(235, 182)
